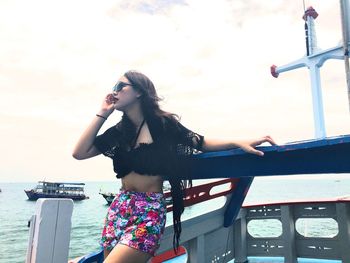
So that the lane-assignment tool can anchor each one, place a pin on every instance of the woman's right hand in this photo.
(108, 103)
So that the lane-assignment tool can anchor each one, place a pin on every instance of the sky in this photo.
(209, 60)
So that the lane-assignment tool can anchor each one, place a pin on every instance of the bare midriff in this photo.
(142, 183)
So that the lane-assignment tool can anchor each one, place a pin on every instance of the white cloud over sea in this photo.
(210, 60)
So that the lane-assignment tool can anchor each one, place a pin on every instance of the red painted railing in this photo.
(195, 195)
(201, 193)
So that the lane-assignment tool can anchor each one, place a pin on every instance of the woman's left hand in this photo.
(248, 145)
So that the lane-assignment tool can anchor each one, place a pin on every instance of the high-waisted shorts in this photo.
(136, 219)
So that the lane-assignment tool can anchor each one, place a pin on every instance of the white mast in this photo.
(314, 60)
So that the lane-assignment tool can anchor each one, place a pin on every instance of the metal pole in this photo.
(344, 11)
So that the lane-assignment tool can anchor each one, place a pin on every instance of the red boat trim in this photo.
(201, 193)
(169, 254)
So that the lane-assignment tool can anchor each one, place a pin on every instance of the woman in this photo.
(147, 146)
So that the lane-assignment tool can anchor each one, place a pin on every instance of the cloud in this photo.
(210, 60)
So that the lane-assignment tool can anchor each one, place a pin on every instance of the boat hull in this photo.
(108, 197)
(35, 196)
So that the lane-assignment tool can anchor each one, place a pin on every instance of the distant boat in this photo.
(46, 189)
(109, 196)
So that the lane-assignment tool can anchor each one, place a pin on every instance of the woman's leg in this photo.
(124, 254)
(105, 253)
(109, 237)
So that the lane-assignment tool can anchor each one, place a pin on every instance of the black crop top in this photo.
(172, 144)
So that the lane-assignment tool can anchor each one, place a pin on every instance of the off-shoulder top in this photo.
(169, 151)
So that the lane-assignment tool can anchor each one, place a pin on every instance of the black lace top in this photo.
(169, 155)
(171, 146)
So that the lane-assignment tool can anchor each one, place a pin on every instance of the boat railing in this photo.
(222, 234)
(291, 242)
(203, 192)
(194, 195)
(204, 238)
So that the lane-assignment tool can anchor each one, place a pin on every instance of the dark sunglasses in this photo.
(120, 85)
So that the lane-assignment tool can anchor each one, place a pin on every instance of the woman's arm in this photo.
(211, 144)
(246, 145)
(85, 146)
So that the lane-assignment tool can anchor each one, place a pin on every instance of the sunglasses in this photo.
(120, 85)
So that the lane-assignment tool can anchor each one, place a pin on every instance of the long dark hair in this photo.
(150, 108)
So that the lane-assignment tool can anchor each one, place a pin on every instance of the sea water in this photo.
(88, 215)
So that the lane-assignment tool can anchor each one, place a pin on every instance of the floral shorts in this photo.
(136, 219)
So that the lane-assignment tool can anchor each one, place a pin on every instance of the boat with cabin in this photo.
(222, 234)
(45, 189)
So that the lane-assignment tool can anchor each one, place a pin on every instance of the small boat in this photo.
(109, 196)
(46, 189)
